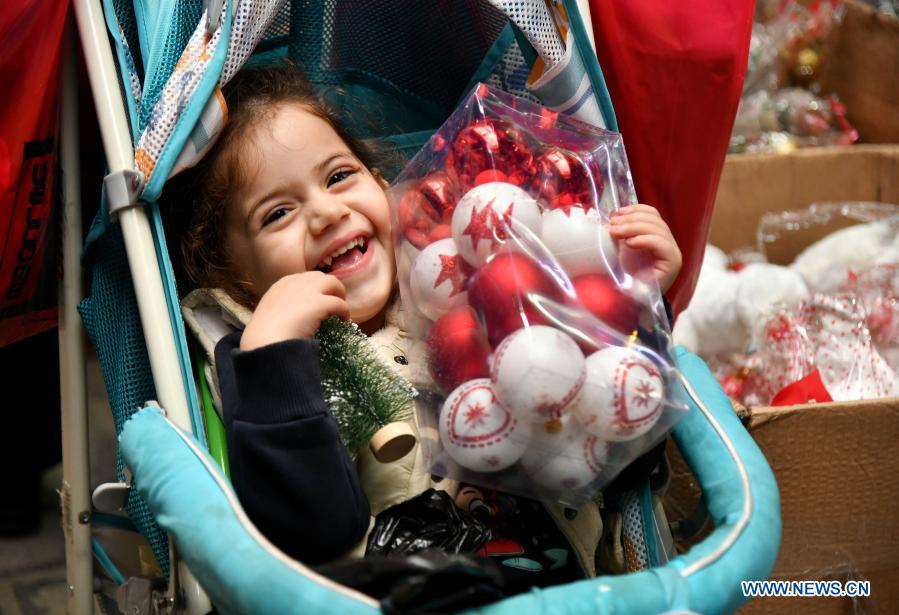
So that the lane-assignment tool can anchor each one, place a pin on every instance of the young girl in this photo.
(289, 222)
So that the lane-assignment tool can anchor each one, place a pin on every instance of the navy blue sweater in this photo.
(292, 474)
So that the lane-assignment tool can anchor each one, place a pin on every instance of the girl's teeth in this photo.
(326, 262)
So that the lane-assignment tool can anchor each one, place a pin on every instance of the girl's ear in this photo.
(376, 173)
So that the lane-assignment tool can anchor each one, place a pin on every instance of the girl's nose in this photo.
(325, 212)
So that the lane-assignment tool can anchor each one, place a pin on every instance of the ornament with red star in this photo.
(437, 280)
(487, 215)
(623, 396)
(477, 432)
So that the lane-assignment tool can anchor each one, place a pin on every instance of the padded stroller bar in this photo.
(244, 573)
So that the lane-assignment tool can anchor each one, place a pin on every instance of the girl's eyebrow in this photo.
(268, 195)
(324, 163)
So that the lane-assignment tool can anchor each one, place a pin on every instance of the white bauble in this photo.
(477, 432)
(537, 372)
(623, 395)
(564, 460)
(580, 240)
(437, 280)
(486, 216)
(713, 311)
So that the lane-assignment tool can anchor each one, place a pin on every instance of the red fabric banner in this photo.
(30, 39)
(675, 72)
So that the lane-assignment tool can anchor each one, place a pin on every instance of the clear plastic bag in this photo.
(549, 364)
(843, 337)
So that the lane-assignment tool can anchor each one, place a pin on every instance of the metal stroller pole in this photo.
(117, 144)
(75, 489)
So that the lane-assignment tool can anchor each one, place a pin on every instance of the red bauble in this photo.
(489, 144)
(563, 179)
(600, 295)
(457, 349)
(499, 290)
(427, 207)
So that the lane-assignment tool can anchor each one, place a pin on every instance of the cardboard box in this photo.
(837, 464)
(862, 69)
(752, 185)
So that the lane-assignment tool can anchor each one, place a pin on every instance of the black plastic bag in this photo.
(427, 583)
(430, 520)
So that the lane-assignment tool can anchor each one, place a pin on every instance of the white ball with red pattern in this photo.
(623, 395)
(478, 432)
(437, 280)
(580, 240)
(564, 460)
(537, 372)
(488, 214)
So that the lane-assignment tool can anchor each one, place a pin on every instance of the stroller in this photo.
(410, 63)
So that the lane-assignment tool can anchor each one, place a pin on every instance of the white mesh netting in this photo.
(535, 21)
(251, 19)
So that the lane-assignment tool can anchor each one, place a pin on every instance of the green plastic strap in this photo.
(215, 428)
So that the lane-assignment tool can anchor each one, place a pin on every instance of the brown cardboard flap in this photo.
(837, 467)
(752, 185)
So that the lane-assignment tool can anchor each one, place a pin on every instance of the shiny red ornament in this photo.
(600, 295)
(457, 349)
(489, 144)
(426, 209)
(499, 291)
(563, 179)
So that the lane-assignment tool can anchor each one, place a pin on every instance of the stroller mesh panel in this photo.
(251, 23)
(539, 23)
(124, 12)
(111, 319)
(426, 51)
(280, 26)
(511, 74)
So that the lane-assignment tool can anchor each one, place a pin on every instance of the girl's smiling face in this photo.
(308, 203)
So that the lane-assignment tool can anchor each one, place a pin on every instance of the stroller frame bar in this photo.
(141, 251)
(74, 493)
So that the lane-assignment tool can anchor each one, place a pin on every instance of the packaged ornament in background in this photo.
(783, 105)
(825, 327)
(549, 365)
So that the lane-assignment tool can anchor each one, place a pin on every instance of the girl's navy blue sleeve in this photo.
(289, 468)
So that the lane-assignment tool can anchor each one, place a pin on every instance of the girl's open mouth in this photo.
(346, 259)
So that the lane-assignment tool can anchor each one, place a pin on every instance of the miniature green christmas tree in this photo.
(366, 397)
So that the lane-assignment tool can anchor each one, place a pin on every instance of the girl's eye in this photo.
(339, 176)
(275, 214)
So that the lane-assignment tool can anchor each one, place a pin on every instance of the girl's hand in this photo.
(293, 308)
(641, 227)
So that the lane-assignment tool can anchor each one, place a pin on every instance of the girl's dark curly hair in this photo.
(197, 198)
